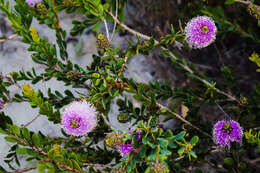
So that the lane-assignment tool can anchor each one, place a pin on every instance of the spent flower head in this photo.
(32, 3)
(79, 118)
(114, 139)
(102, 41)
(200, 32)
(227, 131)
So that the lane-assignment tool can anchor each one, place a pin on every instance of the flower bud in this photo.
(73, 75)
(102, 42)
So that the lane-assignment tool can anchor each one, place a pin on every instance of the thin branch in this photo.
(27, 124)
(77, 148)
(179, 158)
(222, 109)
(129, 29)
(106, 121)
(107, 31)
(25, 169)
(183, 120)
(114, 28)
(98, 165)
(243, 2)
(9, 38)
(188, 69)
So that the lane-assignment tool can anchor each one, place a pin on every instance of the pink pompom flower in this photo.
(227, 131)
(79, 118)
(32, 3)
(200, 32)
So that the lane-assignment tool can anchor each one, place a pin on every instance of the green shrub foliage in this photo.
(148, 147)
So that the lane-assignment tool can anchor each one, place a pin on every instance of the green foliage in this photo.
(253, 137)
(188, 144)
(256, 59)
(36, 100)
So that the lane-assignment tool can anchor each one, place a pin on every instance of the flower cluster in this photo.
(115, 139)
(227, 131)
(200, 32)
(125, 149)
(102, 41)
(79, 118)
(32, 3)
(73, 75)
(158, 167)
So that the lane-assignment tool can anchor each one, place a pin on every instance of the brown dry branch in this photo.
(98, 165)
(9, 38)
(25, 169)
(30, 122)
(244, 2)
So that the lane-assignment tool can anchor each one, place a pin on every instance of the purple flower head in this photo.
(138, 133)
(200, 32)
(124, 149)
(32, 3)
(227, 131)
(79, 118)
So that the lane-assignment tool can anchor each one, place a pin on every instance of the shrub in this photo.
(89, 142)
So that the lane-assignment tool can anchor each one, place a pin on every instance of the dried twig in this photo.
(37, 116)
(243, 2)
(24, 170)
(107, 31)
(106, 121)
(9, 38)
(183, 120)
(98, 165)
(114, 28)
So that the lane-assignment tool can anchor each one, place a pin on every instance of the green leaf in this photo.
(165, 152)
(228, 161)
(31, 152)
(2, 131)
(181, 151)
(152, 156)
(194, 140)
(95, 75)
(145, 140)
(151, 144)
(131, 165)
(21, 151)
(10, 139)
(36, 140)
(172, 145)
(14, 129)
(26, 134)
(193, 154)
(168, 133)
(228, 2)
(179, 136)
(75, 164)
(163, 143)
(41, 167)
